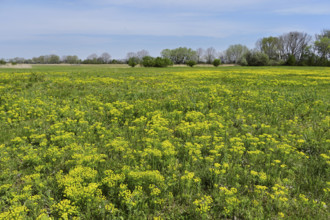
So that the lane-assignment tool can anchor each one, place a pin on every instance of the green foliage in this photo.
(191, 63)
(256, 58)
(270, 46)
(133, 61)
(291, 60)
(243, 62)
(235, 52)
(148, 61)
(162, 62)
(37, 77)
(322, 46)
(179, 55)
(216, 62)
(2, 62)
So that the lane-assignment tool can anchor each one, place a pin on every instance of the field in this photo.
(94, 142)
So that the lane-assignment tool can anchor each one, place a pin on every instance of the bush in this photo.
(191, 63)
(148, 61)
(133, 61)
(256, 58)
(162, 62)
(168, 61)
(2, 62)
(275, 63)
(242, 61)
(216, 62)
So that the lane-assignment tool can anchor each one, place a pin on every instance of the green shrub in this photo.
(256, 58)
(148, 61)
(275, 63)
(216, 62)
(133, 61)
(242, 61)
(191, 63)
(162, 62)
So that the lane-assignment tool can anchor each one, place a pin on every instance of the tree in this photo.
(133, 61)
(105, 57)
(294, 43)
(199, 55)
(53, 59)
(309, 58)
(256, 58)
(270, 46)
(130, 55)
(291, 60)
(70, 59)
(162, 62)
(179, 55)
(322, 44)
(216, 62)
(210, 54)
(166, 53)
(148, 61)
(92, 56)
(142, 53)
(234, 53)
(324, 33)
(91, 59)
(191, 63)
(2, 62)
(17, 60)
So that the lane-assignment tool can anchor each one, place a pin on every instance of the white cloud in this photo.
(306, 10)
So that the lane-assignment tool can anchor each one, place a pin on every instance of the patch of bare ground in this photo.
(16, 66)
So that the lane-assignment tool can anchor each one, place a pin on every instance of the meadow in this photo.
(95, 142)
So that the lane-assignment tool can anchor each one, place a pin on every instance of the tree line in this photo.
(104, 58)
(293, 48)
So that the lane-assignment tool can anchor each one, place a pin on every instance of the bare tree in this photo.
(222, 56)
(93, 56)
(130, 55)
(294, 43)
(105, 57)
(210, 54)
(199, 54)
(142, 53)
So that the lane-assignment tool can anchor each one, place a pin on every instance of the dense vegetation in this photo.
(175, 143)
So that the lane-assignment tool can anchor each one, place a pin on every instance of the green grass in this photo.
(95, 142)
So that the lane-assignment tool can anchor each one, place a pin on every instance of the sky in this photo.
(31, 28)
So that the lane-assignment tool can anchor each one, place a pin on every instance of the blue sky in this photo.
(71, 27)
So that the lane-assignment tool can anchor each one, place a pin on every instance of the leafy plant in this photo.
(216, 62)
(133, 61)
(191, 63)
